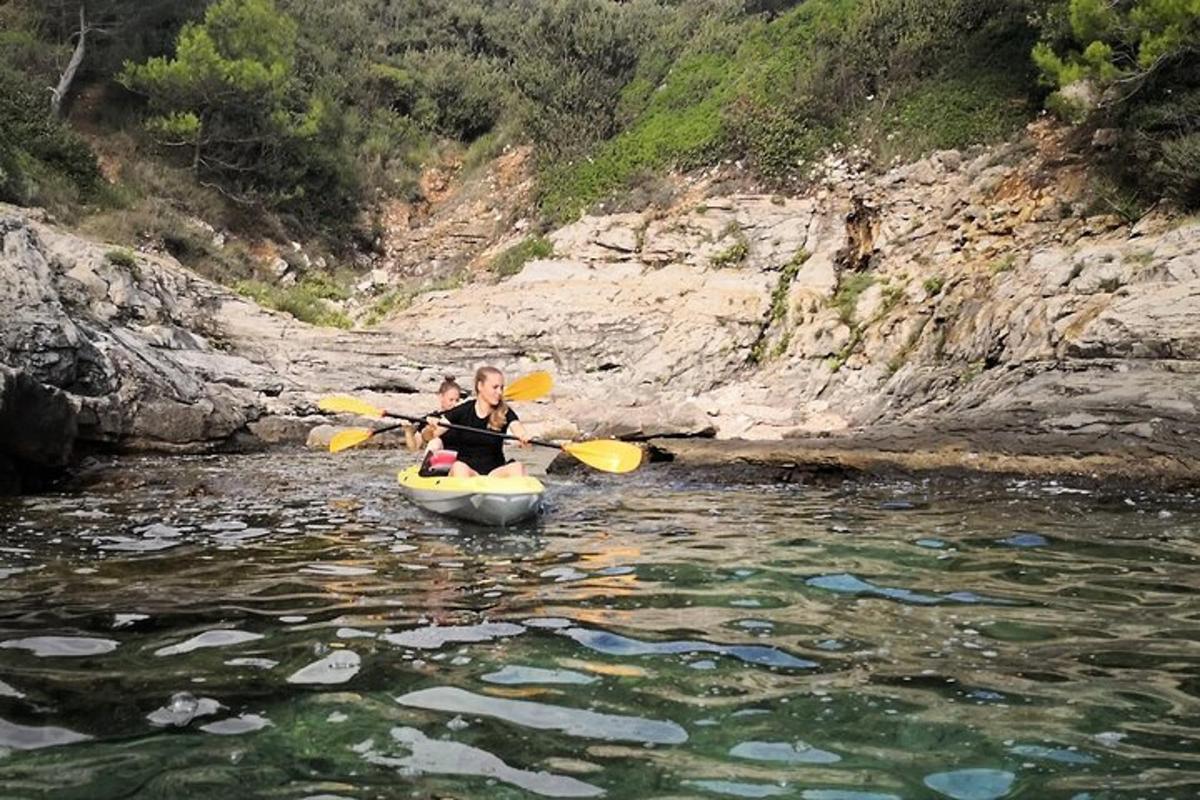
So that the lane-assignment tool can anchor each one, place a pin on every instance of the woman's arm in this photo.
(411, 440)
(518, 430)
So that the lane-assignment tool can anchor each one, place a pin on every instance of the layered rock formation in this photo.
(979, 299)
(973, 308)
(103, 348)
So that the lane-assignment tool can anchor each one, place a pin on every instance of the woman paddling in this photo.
(449, 395)
(478, 453)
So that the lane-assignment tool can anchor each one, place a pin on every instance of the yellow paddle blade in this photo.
(529, 387)
(606, 454)
(344, 440)
(343, 404)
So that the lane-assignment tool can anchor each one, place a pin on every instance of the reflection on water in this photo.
(283, 626)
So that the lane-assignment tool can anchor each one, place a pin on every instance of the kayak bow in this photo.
(482, 499)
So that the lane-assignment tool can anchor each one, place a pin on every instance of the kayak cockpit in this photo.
(480, 499)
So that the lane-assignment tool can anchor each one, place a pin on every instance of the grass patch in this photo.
(514, 259)
(307, 301)
(838, 361)
(733, 255)
(121, 257)
(387, 304)
(953, 111)
(1006, 264)
(846, 298)
(397, 300)
(933, 286)
(892, 295)
(778, 310)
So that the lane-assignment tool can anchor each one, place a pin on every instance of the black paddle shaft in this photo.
(453, 427)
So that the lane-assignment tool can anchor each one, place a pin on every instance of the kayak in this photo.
(481, 499)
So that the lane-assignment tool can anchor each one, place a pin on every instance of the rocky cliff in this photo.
(967, 304)
(969, 309)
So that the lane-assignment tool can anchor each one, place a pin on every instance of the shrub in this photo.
(512, 260)
(121, 258)
(1005, 264)
(307, 301)
(42, 161)
(951, 112)
(733, 255)
(387, 304)
(1179, 169)
(775, 93)
(451, 92)
(1142, 60)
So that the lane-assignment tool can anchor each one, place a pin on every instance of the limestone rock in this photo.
(37, 422)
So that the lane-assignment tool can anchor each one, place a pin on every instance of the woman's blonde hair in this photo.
(499, 416)
(449, 383)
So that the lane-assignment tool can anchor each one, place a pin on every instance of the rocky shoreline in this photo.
(916, 454)
(967, 312)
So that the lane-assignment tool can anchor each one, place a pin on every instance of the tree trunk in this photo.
(64, 82)
(196, 149)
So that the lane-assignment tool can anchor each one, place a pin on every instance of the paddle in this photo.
(523, 389)
(607, 455)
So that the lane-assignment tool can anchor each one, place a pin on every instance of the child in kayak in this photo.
(449, 395)
(479, 453)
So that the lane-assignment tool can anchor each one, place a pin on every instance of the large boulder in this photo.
(38, 425)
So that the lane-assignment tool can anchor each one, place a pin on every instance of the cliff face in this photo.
(967, 304)
(978, 298)
(129, 352)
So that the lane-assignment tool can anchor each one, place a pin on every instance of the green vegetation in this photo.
(933, 286)
(121, 258)
(1133, 66)
(733, 255)
(388, 303)
(397, 300)
(309, 300)
(231, 100)
(512, 260)
(778, 311)
(845, 299)
(973, 371)
(775, 94)
(1005, 264)
(42, 161)
(779, 296)
(297, 118)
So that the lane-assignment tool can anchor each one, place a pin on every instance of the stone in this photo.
(619, 238)
(38, 423)
(1106, 138)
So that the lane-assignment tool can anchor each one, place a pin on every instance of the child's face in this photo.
(449, 399)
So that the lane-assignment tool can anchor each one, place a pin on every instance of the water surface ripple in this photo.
(284, 626)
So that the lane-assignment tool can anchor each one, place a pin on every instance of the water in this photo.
(283, 626)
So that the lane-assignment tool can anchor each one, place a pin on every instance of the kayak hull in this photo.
(483, 500)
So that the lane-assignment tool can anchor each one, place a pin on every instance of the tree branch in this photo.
(65, 80)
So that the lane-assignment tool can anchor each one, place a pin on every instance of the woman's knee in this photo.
(514, 470)
(460, 470)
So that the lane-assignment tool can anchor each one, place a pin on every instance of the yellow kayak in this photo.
(485, 500)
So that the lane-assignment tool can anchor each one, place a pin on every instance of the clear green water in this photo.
(283, 626)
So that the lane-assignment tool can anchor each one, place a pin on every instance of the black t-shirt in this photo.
(478, 451)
